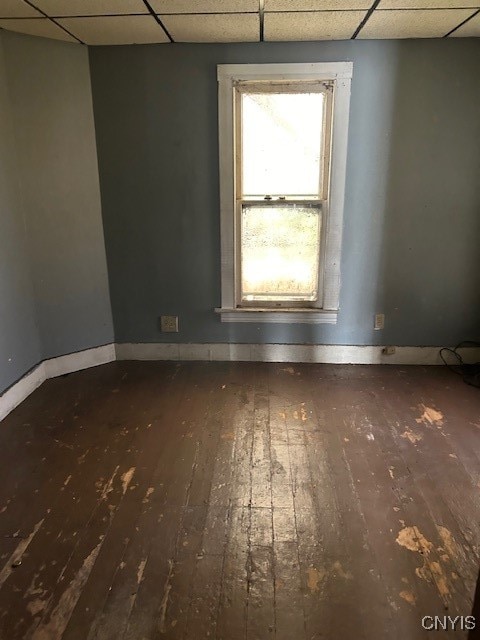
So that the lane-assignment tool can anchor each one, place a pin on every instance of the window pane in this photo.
(280, 252)
(281, 143)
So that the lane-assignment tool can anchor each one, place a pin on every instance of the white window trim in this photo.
(228, 74)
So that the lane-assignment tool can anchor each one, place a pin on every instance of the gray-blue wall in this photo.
(54, 296)
(412, 214)
(19, 341)
(50, 93)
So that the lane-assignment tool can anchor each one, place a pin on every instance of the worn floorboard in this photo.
(240, 501)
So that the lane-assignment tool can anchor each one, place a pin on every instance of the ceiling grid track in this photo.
(157, 19)
(462, 23)
(365, 19)
(261, 13)
(30, 4)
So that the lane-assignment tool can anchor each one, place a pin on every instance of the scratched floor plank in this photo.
(161, 531)
(75, 521)
(332, 542)
(238, 501)
(147, 451)
(405, 530)
(455, 470)
(416, 490)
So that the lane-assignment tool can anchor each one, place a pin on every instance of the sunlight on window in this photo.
(280, 248)
(281, 143)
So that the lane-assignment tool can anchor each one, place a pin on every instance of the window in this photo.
(283, 135)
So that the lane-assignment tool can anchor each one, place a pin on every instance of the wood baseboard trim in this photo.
(80, 360)
(326, 354)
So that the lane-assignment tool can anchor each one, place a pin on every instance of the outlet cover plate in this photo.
(379, 321)
(169, 324)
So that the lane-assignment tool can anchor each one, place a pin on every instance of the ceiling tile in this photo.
(214, 27)
(413, 24)
(316, 5)
(36, 27)
(204, 6)
(470, 29)
(312, 25)
(17, 9)
(427, 4)
(90, 7)
(115, 29)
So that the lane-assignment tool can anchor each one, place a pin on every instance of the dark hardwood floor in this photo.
(141, 501)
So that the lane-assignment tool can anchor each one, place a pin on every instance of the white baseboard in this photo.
(80, 360)
(51, 369)
(327, 354)
(21, 390)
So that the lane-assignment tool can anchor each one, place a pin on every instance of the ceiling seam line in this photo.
(232, 13)
(345, 10)
(209, 13)
(365, 19)
(72, 35)
(157, 19)
(89, 15)
(475, 13)
(261, 13)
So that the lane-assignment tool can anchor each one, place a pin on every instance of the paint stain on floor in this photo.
(408, 434)
(430, 416)
(127, 478)
(431, 570)
(411, 538)
(315, 578)
(408, 597)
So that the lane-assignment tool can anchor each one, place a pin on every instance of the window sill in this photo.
(282, 316)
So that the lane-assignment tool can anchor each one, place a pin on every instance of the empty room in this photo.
(239, 319)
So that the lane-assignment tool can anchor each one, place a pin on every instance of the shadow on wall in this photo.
(430, 255)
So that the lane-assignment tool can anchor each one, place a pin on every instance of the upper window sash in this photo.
(325, 88)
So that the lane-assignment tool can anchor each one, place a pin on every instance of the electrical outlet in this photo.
(379, 322)
(388, 351)
(169, 324)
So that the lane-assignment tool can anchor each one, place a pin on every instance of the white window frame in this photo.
(327, 306)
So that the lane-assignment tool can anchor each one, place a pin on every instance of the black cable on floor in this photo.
(469, 372)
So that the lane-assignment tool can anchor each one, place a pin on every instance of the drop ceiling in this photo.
(110, 22)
